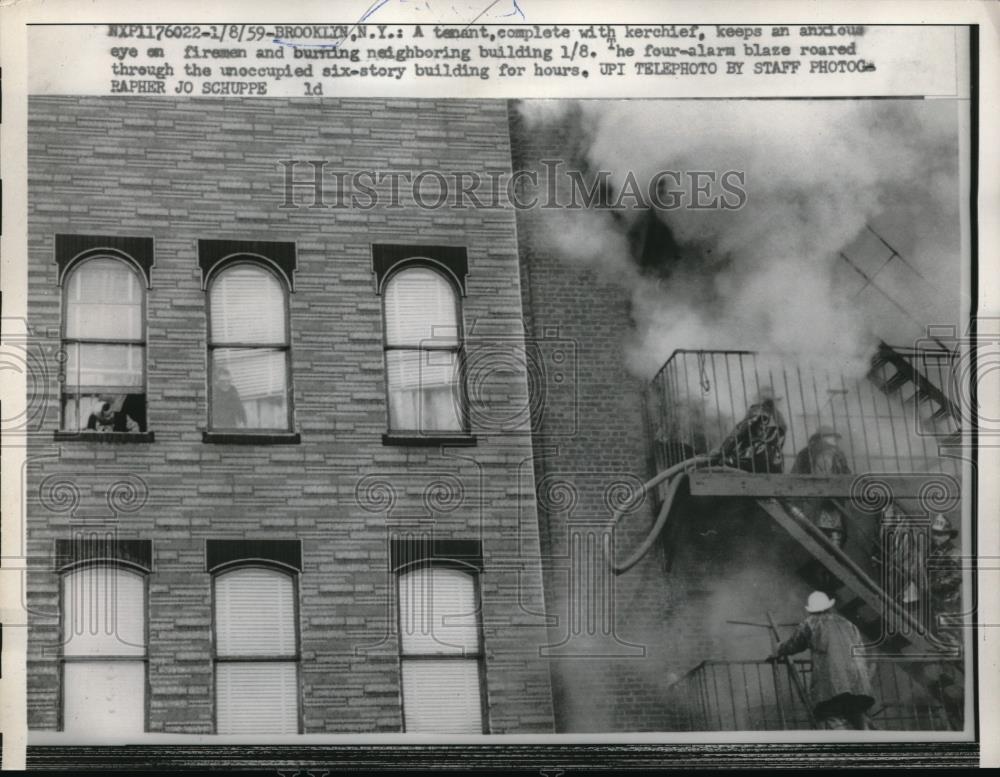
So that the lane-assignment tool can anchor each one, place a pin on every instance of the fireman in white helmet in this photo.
(841, 691)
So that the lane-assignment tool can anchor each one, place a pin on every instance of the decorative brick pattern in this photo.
(186, 170)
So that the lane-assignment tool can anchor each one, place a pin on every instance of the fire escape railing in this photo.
(759, 696)
(890, 420)
(894, 419)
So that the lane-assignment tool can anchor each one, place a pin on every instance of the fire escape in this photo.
(895, 425)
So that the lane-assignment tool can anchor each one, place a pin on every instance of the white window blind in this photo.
(104, 301)
(93, 364)
(422, 341)
(247, 306)
(420, 306)
(442, 697)
(103, 612)
(438, 617)
(104, 646)
(104, 697)
(255, 617)
(249, 384)
(423, 390)
(254, 613)
(257, 697)
(256, 372)
(437, 611)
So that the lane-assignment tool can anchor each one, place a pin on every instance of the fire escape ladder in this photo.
(892, 372)
(863, 601)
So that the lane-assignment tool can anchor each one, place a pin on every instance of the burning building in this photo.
(686, 319)
(309, 470)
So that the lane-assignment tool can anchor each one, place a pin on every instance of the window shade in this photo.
(103, 612)
(258, 697)
(255, 372)
(423, 390)
(254, 613)
(442, 696)
(247, 306)
(104, 697)
(91, 364)
(104, 301)
(437, 612)
(420, 309)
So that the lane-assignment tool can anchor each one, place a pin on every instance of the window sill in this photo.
(123, 437)
(251, 438)
(415, 439)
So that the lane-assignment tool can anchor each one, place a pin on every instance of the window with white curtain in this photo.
(104, 342)
(104, 650)
(248, 348)
(422, 343)
(256, 652)
(440, 651)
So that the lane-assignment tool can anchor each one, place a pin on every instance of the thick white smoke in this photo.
(769, 276)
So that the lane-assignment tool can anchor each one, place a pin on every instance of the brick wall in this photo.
(609, 673)
(184, 170)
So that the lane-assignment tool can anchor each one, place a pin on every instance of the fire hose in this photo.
(681, 472)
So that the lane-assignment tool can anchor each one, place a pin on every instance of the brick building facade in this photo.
(179, 172)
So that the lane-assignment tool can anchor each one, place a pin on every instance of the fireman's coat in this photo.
(835, 671)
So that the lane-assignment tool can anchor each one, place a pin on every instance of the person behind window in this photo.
(227, 407)
(103, 420)
(113, 417)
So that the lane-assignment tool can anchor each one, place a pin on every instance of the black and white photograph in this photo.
(374, 401)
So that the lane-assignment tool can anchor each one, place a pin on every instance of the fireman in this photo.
(822, 455)
(841, 691)
(898, 553)
(831, 523)
(944, 572)
(756, 442)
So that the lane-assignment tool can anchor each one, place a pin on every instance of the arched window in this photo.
(104, 650)
(422, 343)
(104, 340)
(256, 652)
(248, 350)
(440, 650)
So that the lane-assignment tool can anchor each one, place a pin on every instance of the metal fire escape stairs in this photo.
(860, 598)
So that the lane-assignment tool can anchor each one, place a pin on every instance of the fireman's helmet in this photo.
(941, 525)
(825, 431)
(766, 393)
(819, 602)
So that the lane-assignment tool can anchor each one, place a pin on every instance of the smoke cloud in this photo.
(770, 276)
